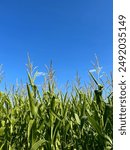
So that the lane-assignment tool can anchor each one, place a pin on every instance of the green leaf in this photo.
(38, 144)
(30, 125)
(94, 124)
(54, 114)
(77, 118)
(2, 129)
(33, 108)
(1, 148)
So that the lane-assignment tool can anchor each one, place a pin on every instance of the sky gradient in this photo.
(68, 32)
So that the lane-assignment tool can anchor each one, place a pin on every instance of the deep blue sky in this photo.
(68, 32)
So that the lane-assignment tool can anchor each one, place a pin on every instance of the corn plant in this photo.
(55, 120)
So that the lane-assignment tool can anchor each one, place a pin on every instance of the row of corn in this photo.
(55, 120)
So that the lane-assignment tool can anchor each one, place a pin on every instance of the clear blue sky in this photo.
(68, 32)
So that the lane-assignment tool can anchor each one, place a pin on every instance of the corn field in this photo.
(55, 120)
